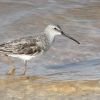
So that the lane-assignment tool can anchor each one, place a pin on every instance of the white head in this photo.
(53, 30)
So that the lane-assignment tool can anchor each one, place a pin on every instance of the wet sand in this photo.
(30, 88)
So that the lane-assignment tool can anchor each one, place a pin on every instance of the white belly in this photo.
(23, 56)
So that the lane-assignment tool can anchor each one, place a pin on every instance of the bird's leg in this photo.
(25, 67)
(12, 69)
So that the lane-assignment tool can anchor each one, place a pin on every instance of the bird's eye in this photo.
(55, 28)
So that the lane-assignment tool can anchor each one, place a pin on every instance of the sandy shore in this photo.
(30, 88)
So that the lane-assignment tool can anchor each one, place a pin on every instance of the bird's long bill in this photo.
(70, 37)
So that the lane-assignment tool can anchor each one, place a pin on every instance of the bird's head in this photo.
(54, 30)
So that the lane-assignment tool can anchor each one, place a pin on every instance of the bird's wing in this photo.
(21, 46)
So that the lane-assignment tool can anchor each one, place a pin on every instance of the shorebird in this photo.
(28, 47)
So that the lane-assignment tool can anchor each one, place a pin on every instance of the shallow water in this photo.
(65, 60)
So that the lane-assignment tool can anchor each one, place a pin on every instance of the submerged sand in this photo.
(32, 88)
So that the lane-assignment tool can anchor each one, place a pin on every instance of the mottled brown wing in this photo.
(21, 46)
(29, 50)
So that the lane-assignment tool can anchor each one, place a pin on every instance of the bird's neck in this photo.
(45, 44)
(50, 37)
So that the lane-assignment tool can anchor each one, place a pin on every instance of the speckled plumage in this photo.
(27, 45)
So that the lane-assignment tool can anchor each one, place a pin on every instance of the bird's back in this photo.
(27, 45)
